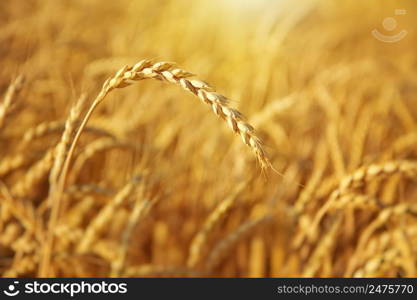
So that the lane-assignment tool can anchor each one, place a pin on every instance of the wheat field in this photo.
(269, 139)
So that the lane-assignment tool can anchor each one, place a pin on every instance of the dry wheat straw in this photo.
(398, 210)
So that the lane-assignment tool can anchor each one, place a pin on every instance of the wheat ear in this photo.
(98, 223)
(223, 247)
(215, 217)
(140, 210)
(13, 89)
(45, 128)
(359, 178)
(64, 143)
(97, 146)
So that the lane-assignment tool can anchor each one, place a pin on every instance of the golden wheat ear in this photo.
(168, 72)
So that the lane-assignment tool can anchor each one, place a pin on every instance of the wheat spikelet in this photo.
(379, 264)
(11, 163)
(11, 92)
(353, 200)
(10, 233)
(34, 175)
(25, 265)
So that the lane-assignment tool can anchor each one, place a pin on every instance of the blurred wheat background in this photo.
(159, 186)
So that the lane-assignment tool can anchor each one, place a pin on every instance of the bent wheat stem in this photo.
(145, 69)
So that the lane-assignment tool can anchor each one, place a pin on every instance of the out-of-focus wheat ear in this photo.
(10, 163)
(63, 144)
(101, 219)
(59, 154)
(323, 249)
(50, 127)
(26, 264)
(396, 211)
(22, 212)
(360, 178)
(223, 248)
(95, 147)
(14, 88)
(34, 175)
(215, 217)
(140, 210)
